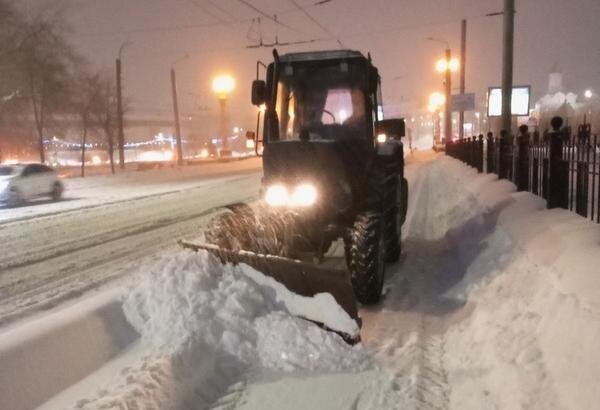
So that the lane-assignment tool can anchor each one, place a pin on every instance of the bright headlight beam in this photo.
(304, 195)
(277, 195)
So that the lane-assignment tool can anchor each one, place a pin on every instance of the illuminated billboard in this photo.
(519, 101)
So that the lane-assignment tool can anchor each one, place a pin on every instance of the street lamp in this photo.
(588, 94)
(446, 65)
(436, 100)
(176, 109)
(222, 86)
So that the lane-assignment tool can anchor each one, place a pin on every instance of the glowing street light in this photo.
(442, 65)
(437, 99)
(222, 86)
(588, 94)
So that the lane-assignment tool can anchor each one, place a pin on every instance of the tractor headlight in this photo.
(277, 195)
(304, 195)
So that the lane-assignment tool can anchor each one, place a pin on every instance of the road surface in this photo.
(55, 251)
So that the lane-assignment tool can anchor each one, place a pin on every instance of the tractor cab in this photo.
(320, 96)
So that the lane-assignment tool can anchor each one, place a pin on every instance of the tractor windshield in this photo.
(317, 101)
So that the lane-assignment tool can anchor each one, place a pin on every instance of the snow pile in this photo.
(527, 335)
(192, 297)
(208, 324)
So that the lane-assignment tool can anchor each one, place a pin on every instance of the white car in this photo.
(22, 182)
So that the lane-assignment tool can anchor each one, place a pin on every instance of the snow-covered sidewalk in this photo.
(495, 304)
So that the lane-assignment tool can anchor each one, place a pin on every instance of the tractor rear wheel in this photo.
(390, 215)
(365, 255)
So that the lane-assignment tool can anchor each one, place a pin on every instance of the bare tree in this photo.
(47, 63)
(104, 114)
(86, 102)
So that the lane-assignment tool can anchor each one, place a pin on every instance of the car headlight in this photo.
(276, 195)
(381, 138)
(303, 195)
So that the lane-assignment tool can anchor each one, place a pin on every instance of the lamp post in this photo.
(222, 86)
(436, 100)
(121, 135)
(176, 110)
(447, 65)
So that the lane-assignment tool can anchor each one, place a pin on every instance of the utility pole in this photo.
(176, 115)
(448, 105)
(463, 60)
(120, 136)
(507, 64)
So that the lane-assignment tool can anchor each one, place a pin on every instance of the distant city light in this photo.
(96, 160)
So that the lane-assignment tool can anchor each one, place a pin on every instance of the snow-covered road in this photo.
(55, 251)
(495, 304)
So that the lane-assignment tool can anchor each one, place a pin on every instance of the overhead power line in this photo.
(262, 13)
(159, 29)
(222, 10)
(207, 11)
(311, 18)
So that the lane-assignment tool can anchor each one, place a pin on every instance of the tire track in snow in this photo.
(406, 312)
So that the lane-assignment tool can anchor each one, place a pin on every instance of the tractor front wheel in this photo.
(365, 255)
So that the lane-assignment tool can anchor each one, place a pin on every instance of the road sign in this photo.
(463, 102)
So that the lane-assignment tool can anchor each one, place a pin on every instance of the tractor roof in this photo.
(320, 55)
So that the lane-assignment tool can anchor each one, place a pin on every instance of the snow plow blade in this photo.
(300, 277)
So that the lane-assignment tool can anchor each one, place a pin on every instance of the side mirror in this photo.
(259, 92)
(392, 128)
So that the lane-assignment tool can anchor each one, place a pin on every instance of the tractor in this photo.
(333, 169)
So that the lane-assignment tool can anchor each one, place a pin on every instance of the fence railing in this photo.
(560, 166)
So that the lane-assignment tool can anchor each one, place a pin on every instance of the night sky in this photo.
(215, 33)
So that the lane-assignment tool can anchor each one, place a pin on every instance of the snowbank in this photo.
(207, 325)
(532, 293)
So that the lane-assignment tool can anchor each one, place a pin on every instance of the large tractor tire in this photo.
(390, 217)
(365, 255)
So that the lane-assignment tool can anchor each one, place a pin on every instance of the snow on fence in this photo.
(560, 166)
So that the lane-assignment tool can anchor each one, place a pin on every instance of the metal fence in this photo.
(560, 166)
